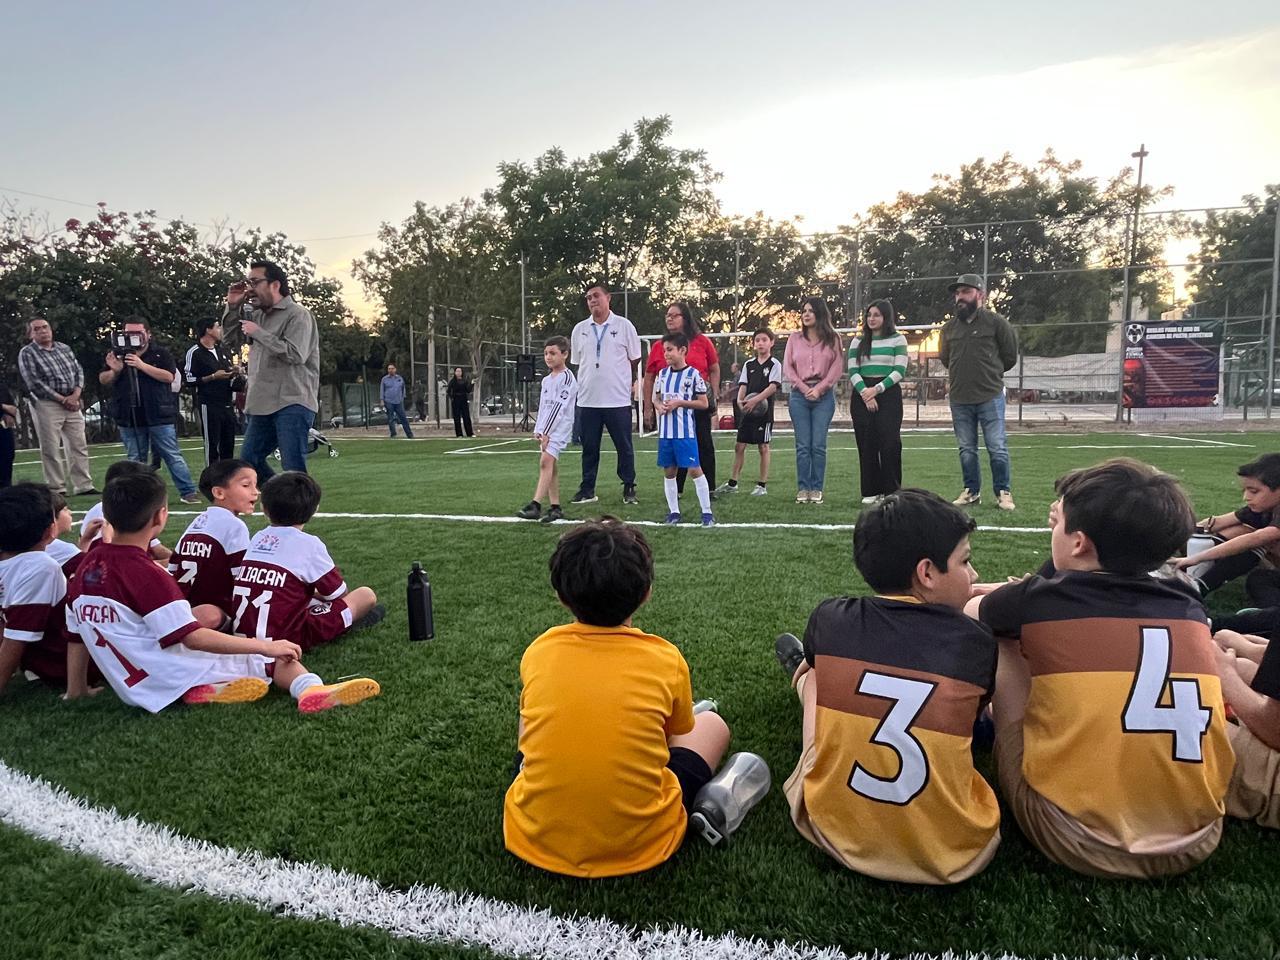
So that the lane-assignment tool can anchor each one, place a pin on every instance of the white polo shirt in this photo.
(604, 353)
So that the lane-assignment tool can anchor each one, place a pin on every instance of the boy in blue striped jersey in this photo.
(678, 390)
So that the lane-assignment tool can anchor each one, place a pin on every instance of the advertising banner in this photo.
(1172, 364)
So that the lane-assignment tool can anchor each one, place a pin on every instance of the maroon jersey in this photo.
(208, 557)
(283, 573)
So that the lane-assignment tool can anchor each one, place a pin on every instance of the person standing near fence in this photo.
(8, 427)
(702, 356)
(812, 365)
(877, 362)
(459, 393)
(977, 347)
(209, 371)
(391, 392)
(54, 378)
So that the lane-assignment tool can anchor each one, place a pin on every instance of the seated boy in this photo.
(1250, 672)
(66, 553)
(32, 590)
(92, 525)
(208, 555)
(760, 379)
(611, 754)
(1111, 742)
(891, 686)
(141, 633)
(553, 429)
(288, 585)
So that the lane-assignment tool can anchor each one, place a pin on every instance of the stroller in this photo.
(315, 440)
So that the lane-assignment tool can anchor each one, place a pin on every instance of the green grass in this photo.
(408, 788)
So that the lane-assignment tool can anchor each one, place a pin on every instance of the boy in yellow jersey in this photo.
(1111, 741)
(890, 687)
(611, 754)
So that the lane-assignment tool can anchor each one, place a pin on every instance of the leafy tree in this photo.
(1221, 284)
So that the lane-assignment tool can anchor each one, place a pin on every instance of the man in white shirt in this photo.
(606, 348)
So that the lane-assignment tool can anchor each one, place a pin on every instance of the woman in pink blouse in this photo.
(812, 364)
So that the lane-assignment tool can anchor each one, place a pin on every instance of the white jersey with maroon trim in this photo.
(62, 551)
(283, 570)
(95, 513)
(31, 586)
(132, 618)
(207, 557)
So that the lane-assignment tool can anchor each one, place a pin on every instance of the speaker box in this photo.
(524, 368)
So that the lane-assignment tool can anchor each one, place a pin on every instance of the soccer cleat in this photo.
(760, 491)
(708, 520)
(967, 497)
(553, 514)
(326, 696)
(790, 653)
(815, 496)
(582, 496)
(191, 498)
(371, 619)
(727, 487)
(530, 511)
(243, 690)
(629, 494)
(672, 519)
(1004, 500)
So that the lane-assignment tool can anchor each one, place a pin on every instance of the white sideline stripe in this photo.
(1216, 443)
(315, 892)
(105, 456)
(486, 446)
(484, 451)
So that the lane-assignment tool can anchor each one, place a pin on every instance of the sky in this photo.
(325, 119)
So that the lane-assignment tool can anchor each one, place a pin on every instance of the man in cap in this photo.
(977, 347)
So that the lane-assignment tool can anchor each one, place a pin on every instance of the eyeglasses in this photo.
(254, 281)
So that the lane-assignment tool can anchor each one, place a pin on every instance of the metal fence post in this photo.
(1124, 323)
(1275, 289)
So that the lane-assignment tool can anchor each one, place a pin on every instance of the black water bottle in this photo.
(421, 620)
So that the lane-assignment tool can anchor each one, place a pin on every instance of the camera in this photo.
(125, 342)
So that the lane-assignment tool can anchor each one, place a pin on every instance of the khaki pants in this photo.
(59, 429)
(1068, 842)
(1254, 793)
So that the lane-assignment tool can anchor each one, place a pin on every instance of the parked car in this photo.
(494, 405)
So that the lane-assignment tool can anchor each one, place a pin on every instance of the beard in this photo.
(965, 309)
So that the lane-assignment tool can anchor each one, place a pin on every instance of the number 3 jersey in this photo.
(1124, 728)
(286, 575)
(207, 558)
(892, 791)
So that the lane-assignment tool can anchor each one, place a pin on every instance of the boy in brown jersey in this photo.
(890, 687)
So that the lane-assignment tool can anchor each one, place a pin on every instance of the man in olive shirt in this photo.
(284, 369)
(977, 347)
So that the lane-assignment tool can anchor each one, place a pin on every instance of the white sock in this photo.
(703, 489)
(303, 683)
(673, 495)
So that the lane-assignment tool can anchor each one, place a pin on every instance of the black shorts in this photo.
(754, 431)
(690, 769)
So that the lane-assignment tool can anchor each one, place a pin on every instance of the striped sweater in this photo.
(888, 360)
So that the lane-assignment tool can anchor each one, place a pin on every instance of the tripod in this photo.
(525, 424)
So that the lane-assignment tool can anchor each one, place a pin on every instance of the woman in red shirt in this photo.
(703, 358)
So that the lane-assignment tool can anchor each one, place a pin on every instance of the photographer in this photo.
(215, 378)
(144, 403)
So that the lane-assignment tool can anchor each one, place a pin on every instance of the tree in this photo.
(1222, 285)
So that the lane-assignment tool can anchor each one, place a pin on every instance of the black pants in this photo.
(218, 424)
(595, 421)
(462, 418)
(6, 457)
(879, 437)
(1228, 568)
(706, 449)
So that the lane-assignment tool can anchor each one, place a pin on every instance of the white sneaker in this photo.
(967, 497)
(802, 496)
(1004, 500)
(815, 496)
(726, 487)
(760, 491)
(867, 501)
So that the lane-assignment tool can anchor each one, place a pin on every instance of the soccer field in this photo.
(320, 831)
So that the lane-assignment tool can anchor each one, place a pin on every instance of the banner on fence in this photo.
(1171, 364)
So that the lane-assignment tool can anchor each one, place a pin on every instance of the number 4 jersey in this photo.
(1124, 728)
(889, 786)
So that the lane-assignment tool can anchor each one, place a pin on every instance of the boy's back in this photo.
(284, 569)
(595, 797)
(207, 557)
(888, 787)
(32, 590)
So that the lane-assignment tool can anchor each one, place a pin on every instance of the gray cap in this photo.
(966, 280)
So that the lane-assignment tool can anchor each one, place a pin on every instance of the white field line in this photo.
(480, 448)
(310, 891)
(1216, 443)
(481, 451)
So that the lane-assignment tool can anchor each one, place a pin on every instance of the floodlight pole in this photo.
(1275, 288)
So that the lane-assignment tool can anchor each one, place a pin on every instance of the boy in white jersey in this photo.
(553, 429)
(32, 590)
(288, 585)
(207, 557)
(677, 392)
(92, 525)
(68, 554)
(141, 633)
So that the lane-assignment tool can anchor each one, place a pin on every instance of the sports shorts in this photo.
(555, 445)
(326, 620)
(755, 430)
(681, 452)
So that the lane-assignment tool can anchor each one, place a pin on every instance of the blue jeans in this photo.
(286, 429)
(811, 419)
(966, 418)
(138, 442)
(395, 411)
(617, 420)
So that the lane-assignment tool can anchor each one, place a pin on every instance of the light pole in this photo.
(1126, 310)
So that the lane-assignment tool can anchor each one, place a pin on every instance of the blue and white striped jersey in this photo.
(683, 384)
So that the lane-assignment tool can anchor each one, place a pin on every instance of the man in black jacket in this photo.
(211, 373)
(145, 406)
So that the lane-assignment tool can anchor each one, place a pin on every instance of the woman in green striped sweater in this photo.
(877, 364)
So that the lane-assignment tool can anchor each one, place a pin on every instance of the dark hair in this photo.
(691, 328)
(679, 340)
(1266, 470)
(26, 511)
(290, 499)
(887, 329)
(59, 501)
(767, 332)
(205, 324)
(561, 342)
(130, 501)
(602, 571)
(126, 468)
(219, 474)
(1136, 516)
(138, 322)
(597, 285)
(909, 525)
(273, 272)
(822, 315)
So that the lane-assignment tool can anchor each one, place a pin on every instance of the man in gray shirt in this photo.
(977, 346)
(284, 368)
(391, 391)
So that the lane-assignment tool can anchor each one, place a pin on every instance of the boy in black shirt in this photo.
(758, 384)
